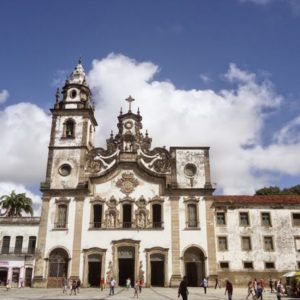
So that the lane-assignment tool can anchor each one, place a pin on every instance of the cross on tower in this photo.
(129, 100)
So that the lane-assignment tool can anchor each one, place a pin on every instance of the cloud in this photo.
(7, 187)
(260, 2)
(4, 94)
(25, 133)
(205, 79)
(290, 133)
(231, 121)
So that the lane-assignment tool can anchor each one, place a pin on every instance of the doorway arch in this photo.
(58, 267)
(194, 265)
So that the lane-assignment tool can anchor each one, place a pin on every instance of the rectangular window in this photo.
(192, 215)
(127, 219)
(156, 216)
(222, 242)
(266, 219)
(5, 245)
(268, 243)
(31, 245)
(220, 216)
(97, 215)
(297, 243)
(62, 216)
(296, 219)
(18, 244)
(269, 265)
(244, 219)
(224, 264)
(248, 265)
(246, 243)
(298, 265)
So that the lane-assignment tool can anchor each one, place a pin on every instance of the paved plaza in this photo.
(122, 294)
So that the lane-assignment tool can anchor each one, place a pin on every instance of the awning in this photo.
(289, 274)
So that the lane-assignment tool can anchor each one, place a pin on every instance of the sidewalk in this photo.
(123, 294)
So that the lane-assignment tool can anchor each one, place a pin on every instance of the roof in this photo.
(257, 199)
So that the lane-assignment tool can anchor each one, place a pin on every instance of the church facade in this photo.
(132, 211)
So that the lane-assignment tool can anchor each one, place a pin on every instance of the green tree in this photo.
(14, 204)
(271, 190)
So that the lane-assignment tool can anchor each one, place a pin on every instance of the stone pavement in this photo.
(123, 294)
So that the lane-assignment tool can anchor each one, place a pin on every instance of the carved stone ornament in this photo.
(127, 183)
(99, 160)
(157, 160)
(112, 202)
(141, 202)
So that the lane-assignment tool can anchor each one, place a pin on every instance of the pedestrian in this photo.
(102, 284)
(78, 284)
(136, 289)
(279, 290)
(217, 284)
(271, 285)
(140, 285)
(259, 291)
(73, 287)
(204, 284)
(128, 283)
(182, 290)
(7, 285)
(229, 289)
(250, 290)
(65, 285)
(112, 284)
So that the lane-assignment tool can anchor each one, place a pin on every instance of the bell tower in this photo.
(72, 133)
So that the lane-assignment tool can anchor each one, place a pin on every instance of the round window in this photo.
(65, 170)
(190, 170)
(73, 94)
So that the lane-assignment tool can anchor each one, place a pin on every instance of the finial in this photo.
(111, 134)
(121, 111)
(146, 132)
(129, 100)
(138, 112)
(79, 60)
(57, 95)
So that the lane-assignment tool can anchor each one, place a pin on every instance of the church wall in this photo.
(282, 231)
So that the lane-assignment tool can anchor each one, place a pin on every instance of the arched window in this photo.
(192, 212)
(5, 245)
(19, 244)
(69, 129)
(58, 263)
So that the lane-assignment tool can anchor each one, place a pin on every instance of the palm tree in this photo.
(14, 204)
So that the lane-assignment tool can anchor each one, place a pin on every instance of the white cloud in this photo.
(4, 94)
(289, 134)
(227, 120)
(205, 78)
(7, 187)
(25, 132)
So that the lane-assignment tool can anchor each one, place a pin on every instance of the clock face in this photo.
(128, 125)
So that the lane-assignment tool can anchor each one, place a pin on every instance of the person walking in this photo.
(78, 284)
(259, 291)
(229, 289)
(182, 290)
(140, 285)
(279, 290)
(73, 287)
(136, 289)
(102, 284)
(250, 290)
(65, 285)
(217, 284)
(112, 284)
(204, 284)
(128, 283)
(271, 285)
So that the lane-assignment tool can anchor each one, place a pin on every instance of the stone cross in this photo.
(129, 100)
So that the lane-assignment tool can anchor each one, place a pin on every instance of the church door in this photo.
(94, 273)
(157, 270)
(126, 265)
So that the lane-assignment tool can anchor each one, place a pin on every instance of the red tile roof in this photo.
(258, 200)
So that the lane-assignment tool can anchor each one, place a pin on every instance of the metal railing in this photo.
(60, 225)
(18, 251)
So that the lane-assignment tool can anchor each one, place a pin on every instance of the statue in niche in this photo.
(111, 220)
(142, 220)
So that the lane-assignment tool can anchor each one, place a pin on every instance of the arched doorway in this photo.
(126, 262)
(157, 262)
(94, 272)
(58, 267)
(194, 262)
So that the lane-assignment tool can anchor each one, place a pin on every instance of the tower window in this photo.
(62, 216)
(73, 94)
(69, 129)
(192, 215)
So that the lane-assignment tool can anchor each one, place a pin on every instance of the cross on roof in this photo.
(129, 100)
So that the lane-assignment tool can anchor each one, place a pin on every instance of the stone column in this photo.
(176, 276)
(211, 244)
(77, 238)
(38, 279)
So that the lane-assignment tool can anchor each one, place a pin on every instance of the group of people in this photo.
(112, 284)
(183, 288)
(74, 286)
(257, 287)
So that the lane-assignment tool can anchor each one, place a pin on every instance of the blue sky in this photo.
(191, 44)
